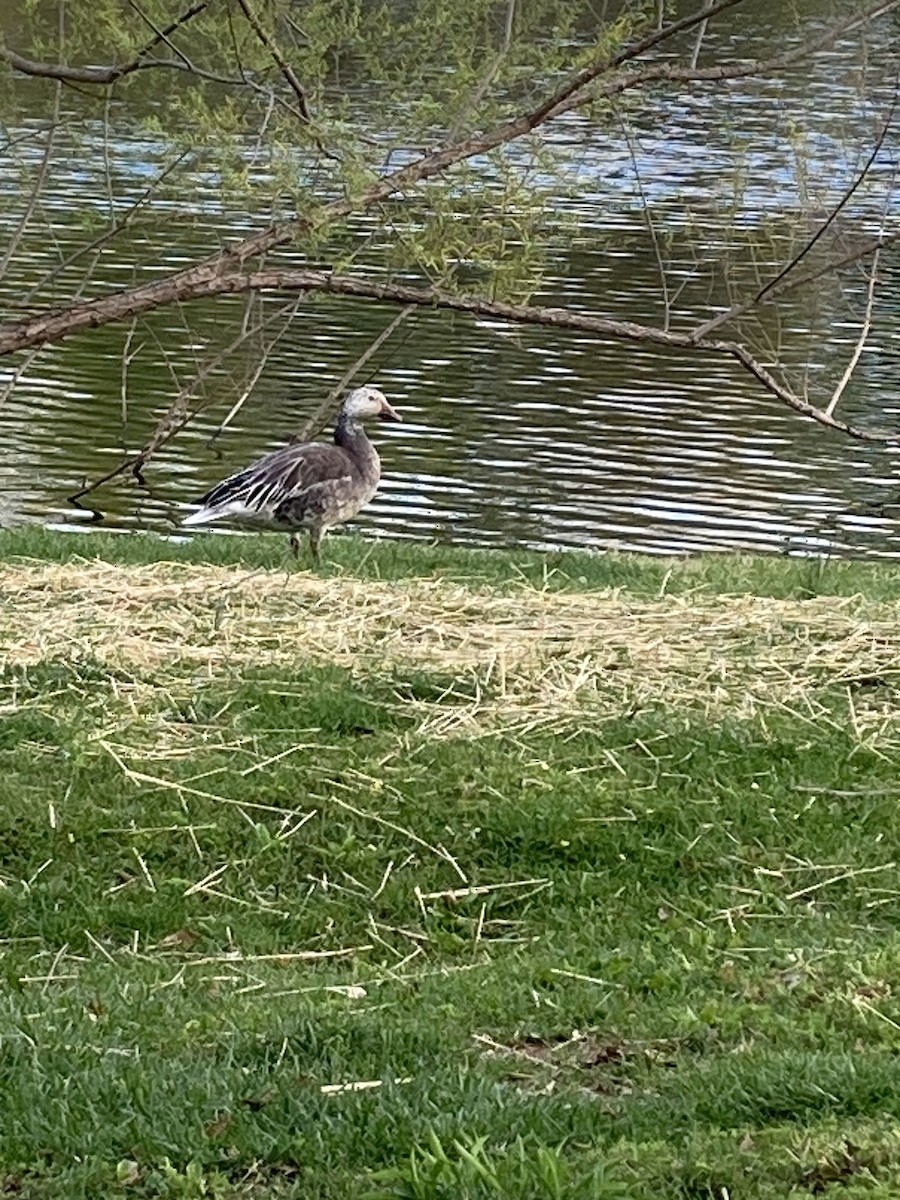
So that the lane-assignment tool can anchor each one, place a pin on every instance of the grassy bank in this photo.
(445, 874)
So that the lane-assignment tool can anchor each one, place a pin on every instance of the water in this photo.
(512, 435)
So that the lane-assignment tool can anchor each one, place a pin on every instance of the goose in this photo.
(306, 485)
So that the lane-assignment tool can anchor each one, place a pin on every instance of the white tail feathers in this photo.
(215, 512)
(200, 517)
(204, 515)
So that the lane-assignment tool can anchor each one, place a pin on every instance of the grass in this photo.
(787, 577)
(445, 873)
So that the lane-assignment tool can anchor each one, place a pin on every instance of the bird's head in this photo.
(365, 402)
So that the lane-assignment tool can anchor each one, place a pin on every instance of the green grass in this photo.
(760, 575)
(630, 952)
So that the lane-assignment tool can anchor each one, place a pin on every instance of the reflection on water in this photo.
(511, 435)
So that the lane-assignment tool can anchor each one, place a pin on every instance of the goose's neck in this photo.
(352, 438)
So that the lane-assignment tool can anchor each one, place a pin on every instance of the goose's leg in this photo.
(314, 538)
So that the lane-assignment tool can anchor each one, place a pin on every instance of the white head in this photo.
(366, 402)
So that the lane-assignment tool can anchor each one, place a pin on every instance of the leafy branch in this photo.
(103, 76)
(609, 75)
(122, 305)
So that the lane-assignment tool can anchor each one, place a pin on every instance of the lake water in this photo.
(512, 435)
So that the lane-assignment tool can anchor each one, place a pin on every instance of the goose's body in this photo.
(306, 485)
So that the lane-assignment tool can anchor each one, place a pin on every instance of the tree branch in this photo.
(280, 61)
(145, 297)
(313, 423)
(152, 295)
(780, 283)
(116, 227)
(488, 77)
(180, 411)
(40, 180)
(587, 76)
(649, 222)
(217, 275)
(860, 343)
(841, 204)
(523, 314)
(100, 75)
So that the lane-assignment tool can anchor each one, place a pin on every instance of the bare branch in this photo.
(161, 35)
(190, 68)
(314, 423)
(252, 302)
(779, 283)
(523, 314)
(648, 220)
(11, 383)
(861, 341)
(302, 113)
(100, 75)
(40, 180)
(246, 390)
(791, 284)
(701, 33)
(179, 411)
(108, 234)
(841, 204)
(128, 357)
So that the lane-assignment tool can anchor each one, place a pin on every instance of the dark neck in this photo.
(351, 437)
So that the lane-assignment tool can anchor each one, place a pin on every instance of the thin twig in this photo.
(246, 328)
(127, 358)
(861, 341)
(102, 239)
(161, 35)
(40, 180)
(177, 415)
(17, 374)
(841, 204)
(314, 423)
(651, 227)
(489, 75)
(245, 393)
(701, 33)
(779, 283)
(281, 62)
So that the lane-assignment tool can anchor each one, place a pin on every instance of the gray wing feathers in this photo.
(286, 473)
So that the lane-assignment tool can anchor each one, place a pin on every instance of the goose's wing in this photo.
(282, 475)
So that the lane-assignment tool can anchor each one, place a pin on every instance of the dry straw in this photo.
(524, 658)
